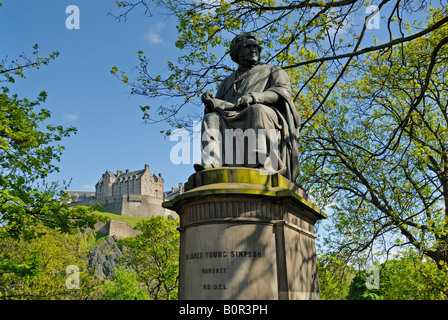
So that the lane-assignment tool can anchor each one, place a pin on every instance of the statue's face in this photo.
(249, 54)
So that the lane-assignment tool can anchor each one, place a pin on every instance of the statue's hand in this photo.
(207, 96)
(244, 101)
(206, 99)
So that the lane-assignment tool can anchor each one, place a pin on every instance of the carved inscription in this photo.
(213, 270)
(194, 255)
(219, 256)
(214, 287)
(223, 254)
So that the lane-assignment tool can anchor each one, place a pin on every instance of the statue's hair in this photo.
(236, 44)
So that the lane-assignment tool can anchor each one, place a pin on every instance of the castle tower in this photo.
(104, 187)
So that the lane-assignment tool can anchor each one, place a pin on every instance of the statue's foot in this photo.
(198, 167)
(202, 166)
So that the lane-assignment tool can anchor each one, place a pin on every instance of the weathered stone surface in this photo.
(103, 258)
(246, 235)
(133, 205)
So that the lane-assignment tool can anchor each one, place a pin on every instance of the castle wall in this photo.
(141, 206)
(91, 202)
(134, 205)
(122, 229)
(112, 204)
(119, 229)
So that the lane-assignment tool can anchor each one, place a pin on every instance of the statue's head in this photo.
(240, 48)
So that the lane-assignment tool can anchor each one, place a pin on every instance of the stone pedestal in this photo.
(246, 235)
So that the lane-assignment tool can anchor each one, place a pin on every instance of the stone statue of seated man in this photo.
(251, 121)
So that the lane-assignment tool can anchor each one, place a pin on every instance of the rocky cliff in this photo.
(102, 259)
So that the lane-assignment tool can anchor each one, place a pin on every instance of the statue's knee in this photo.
(211, 117)
(256, 107)
(260, 109)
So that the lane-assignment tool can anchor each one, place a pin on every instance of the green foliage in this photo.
(36, 269)
(335, 277)
(29, 148)
(359, 291)
(154, 256)
(93, 238)
(29, 268)
(379, 148)
(408, 276)
(15, 67)
(412, 277)
(124, 286)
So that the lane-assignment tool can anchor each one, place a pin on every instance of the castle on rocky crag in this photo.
(129, 193)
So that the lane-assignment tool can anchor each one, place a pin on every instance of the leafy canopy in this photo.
(315, 41)
(154, 256)
(29, 148)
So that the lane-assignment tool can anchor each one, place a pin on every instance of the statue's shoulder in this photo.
(226, 85)
(273, 69)
(264, 66)
(231, 76)
(277, 69)
(277, 72)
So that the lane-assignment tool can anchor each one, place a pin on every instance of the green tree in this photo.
(37, 269)
(410, 276)
(29, 148)
(124, 286)
(379, 148)
(335, 277)
(309, 39)
(154, 256)
(27, 156)
(358, 289)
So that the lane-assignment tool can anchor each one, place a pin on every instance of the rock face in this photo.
(103, 258)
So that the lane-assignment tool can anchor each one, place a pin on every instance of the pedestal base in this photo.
(246, 235)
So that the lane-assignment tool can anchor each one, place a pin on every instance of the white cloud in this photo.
(154, 34)
(347, 23)
(70, 117)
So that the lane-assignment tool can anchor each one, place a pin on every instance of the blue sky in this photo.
(81, 90)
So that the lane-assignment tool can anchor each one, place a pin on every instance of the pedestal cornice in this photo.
(243, 181)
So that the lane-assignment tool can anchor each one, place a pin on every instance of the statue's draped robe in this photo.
(282, 116)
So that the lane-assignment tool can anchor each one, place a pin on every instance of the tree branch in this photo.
(304, 4)
(373, 48)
